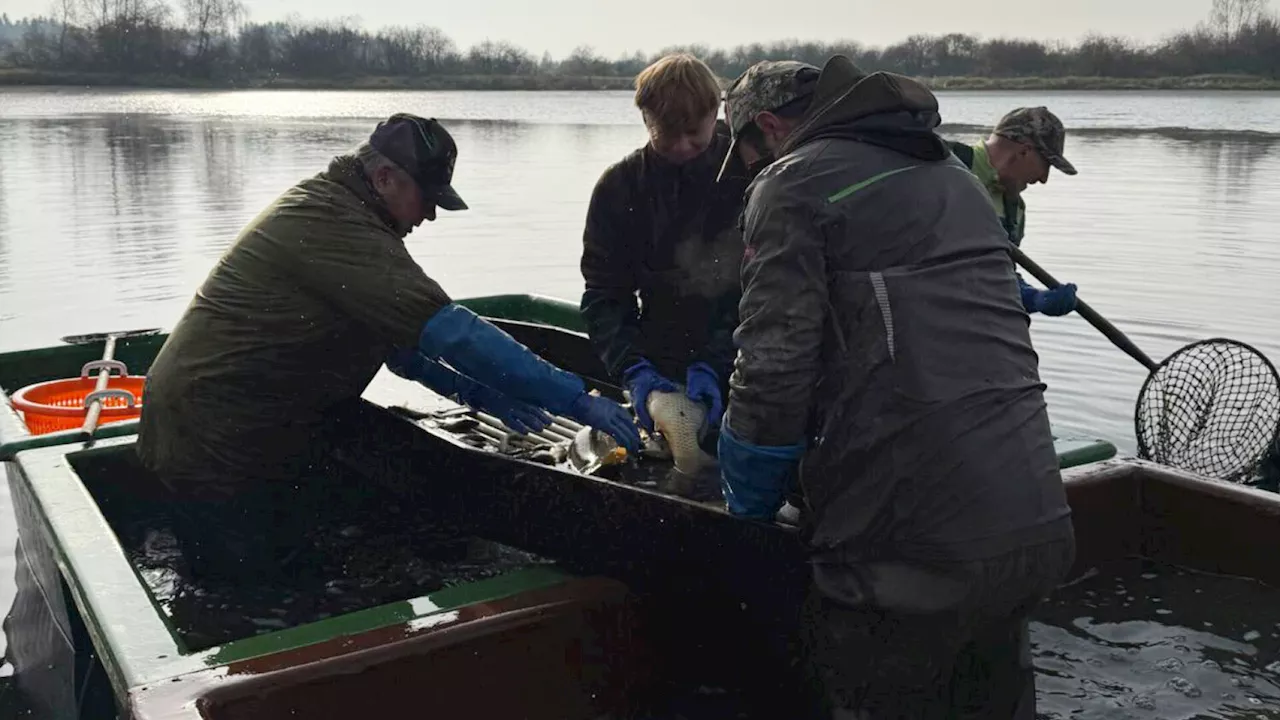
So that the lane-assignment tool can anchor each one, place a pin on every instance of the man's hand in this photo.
(609, 417)
(520, 417)
(642, 379)
(753, 478)
(702, 385)
(1059, 301)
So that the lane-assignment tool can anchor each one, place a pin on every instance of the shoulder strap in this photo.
(963, 152)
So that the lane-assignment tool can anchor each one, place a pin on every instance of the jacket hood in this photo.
(881, 108)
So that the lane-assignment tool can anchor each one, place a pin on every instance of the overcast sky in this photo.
(613, 27)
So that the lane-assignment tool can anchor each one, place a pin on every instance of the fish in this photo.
(682, 423)
(680, 429)
(592, 449)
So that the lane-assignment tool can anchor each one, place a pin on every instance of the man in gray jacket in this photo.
(885, 360)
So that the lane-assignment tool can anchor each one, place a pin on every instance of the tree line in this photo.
(214, 40)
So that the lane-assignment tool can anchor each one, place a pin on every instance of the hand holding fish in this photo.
(642, 379)
(702, 385)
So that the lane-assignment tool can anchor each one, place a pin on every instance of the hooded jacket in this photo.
(880, 326)
(298, 314)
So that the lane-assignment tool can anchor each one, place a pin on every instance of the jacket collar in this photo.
(347, 171)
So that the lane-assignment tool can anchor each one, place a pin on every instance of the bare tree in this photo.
(66, 15)
(584, 61)
(212, 23)
(1229, 17)
(438, 49)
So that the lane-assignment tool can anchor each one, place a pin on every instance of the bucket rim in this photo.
(20, 402)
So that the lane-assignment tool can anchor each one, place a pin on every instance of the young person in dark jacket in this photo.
(883, 354)
(661, 249)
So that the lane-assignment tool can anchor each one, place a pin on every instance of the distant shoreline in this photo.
(18, 77)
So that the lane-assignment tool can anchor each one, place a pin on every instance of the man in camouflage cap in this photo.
(779, 90)
(885, 361)
(1019, 152)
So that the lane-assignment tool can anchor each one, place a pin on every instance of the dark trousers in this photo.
(962, 651)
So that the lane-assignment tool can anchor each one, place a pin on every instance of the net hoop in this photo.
(1212, 408)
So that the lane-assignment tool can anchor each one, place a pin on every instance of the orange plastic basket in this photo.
(59, 404)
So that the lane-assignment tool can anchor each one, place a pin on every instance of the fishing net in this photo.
(1211, 408)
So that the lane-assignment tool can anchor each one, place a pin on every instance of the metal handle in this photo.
(107, 365)
(98, 395)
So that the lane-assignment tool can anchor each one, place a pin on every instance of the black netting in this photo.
(1212, 408)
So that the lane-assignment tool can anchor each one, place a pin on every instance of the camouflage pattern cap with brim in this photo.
(764, 87)
(1039, 128)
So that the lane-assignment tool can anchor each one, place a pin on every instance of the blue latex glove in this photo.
(610, 417)
(754, 478)
(518, 416)
(702, 385)
(1058, 301)
(642, 379)
(482, 351)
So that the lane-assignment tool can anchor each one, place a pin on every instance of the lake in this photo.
(115, 204)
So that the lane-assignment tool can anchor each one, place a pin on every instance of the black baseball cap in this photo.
(424, 150)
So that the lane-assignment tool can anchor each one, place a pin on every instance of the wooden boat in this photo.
(641, 596)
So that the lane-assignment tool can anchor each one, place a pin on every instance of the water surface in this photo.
(1137, 639)
(115, 204)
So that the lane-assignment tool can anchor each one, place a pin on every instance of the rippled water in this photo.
(113, 207)
(115, 204)
(1137, 639)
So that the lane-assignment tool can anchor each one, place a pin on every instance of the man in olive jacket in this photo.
(885, 357)
(313, 297)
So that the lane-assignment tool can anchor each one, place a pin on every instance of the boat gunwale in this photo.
(1171, 515)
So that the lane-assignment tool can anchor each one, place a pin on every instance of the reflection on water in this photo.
(111, 220)
(1143, 640)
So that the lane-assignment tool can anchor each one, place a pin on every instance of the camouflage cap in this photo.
(763, 87)
(1042, 129)
(424, 150)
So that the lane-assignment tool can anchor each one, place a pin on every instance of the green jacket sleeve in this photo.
(362, 269)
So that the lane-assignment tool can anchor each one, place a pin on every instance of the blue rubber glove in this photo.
(702, 385)
(609, 417)
(642, 379)
(754, 478)
(1058, 301)
(518, 416)
(482, 351)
